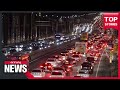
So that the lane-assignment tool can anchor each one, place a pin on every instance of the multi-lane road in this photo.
(101, 68)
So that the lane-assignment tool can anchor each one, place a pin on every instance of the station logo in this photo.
(15, 66)
(111, 20)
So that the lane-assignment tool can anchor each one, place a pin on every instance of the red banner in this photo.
(111, 20)
(15, 62)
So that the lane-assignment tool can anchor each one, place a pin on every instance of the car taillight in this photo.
(91, 67)
(68, 69)
(74, 61)
(81, 66)
(49, 66)
(41, 66)
(63, 58)
(69, 66)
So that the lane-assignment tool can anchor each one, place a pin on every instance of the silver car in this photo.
(38, 73)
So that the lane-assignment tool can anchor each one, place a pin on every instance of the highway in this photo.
(58, 50)
(101, 68)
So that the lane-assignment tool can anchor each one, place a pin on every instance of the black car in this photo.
(87, 66)
(91, 59)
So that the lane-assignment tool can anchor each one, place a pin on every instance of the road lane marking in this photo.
(99, 65)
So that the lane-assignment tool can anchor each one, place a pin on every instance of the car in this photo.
(57, 58)
(67, 66)
(21, 56)
(57, 74)
(53, 62)
(69, 50)
(58, 69)
(37, 73)
(5, 51)
(76, 53)
(71, 61)
(94, 53)
(91, 60)
(63, 56)
(46, 67)
(76, 57)
(87, 66)
(83, 73)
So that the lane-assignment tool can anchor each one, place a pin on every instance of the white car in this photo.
(76, 57)
(63, 56)
(53, 62)
(57, 58)
(38, 73)
(83, 73)
(58, 69)
(57, 74)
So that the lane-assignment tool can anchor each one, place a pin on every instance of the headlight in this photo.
(30, 47)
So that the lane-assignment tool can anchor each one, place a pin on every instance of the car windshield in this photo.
(56, 73)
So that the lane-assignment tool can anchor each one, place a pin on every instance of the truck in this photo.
(81, 47)
(84, 36)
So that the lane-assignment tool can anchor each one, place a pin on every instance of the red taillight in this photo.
(69, 66)
(68, 69)
(49, 66)
(41, 66)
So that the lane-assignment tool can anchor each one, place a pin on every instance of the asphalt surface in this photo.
(58, 50)
(101, 68)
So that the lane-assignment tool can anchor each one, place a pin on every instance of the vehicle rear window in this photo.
(75, 56)
(51, 60)
(55, 57)
(13, 58)
(58, 68)
(36, 70)
(81, 72)
(63, 54)
(90, 58)
(56, 73)
(86, 64)
(3, 51)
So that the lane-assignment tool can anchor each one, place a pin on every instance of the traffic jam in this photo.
(71, 63)
(76, 61)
